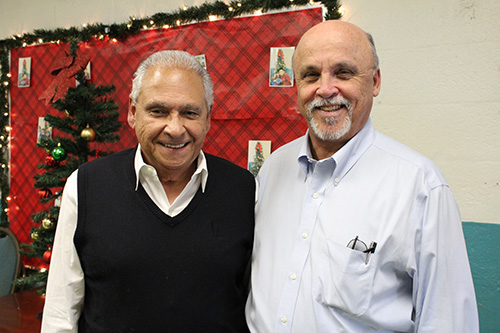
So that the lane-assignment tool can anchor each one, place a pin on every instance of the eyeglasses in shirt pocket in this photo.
(342, 279)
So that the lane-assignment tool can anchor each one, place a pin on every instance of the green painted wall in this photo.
(483, 246)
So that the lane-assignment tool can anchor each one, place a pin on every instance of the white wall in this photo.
(440, 65)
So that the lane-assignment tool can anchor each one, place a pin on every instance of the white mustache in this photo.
(318, 102)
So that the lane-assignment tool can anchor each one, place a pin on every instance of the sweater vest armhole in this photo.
(80, 223)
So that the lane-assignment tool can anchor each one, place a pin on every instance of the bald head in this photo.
(337, 31)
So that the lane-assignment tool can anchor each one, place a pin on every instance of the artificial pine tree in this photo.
(87, 115)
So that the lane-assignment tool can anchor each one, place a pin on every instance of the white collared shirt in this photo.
(66, 285)
(305, 278)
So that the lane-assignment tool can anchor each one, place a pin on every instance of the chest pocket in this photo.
(342, 278)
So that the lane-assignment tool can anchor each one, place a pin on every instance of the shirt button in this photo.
(337, 180)
(283, 319)
(304, 235)
(315, 196)
(293, 276)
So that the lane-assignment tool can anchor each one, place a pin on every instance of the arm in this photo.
(65, 286)
(443, 293)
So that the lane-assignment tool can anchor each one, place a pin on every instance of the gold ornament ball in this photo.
(47, 223)
(34, 235)
(88, 134)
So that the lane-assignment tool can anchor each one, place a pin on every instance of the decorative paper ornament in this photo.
(44, 193)
(59, 153)
(51, 161)
(34, 235)
(64, 68)
(88, 133)
(47, 255)
(48, 223)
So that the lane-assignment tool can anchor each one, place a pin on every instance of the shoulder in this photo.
(287, 152)
(403, 155)
(283, 157)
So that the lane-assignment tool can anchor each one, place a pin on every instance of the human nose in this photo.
(174, 125)
(328, 87)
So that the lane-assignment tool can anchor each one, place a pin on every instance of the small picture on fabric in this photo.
(258, 151)
(24, 72)
(44, 130)
(203, 61)
(280, 71)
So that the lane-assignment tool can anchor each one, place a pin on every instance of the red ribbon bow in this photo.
(65, 67)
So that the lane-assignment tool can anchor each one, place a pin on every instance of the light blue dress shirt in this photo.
(305, 278)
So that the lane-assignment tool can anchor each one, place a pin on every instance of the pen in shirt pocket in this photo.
(359, 245)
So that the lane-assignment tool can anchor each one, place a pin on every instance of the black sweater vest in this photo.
(148, 272)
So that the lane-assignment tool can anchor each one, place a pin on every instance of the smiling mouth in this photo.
(330, 108)
(178, 146)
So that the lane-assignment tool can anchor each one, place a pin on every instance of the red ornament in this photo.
(44, 193)
(51, 161)
(47, 255)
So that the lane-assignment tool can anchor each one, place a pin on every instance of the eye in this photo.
(344, 74)
(191, 114)
(156, 112)
(310, 76)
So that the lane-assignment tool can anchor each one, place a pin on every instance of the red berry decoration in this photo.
(44, 193)
(51, 161)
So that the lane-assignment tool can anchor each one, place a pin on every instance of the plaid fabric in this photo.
(237, 53)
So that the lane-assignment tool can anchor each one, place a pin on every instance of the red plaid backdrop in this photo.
(237, 53)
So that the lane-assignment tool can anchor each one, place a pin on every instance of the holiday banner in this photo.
(237, 54)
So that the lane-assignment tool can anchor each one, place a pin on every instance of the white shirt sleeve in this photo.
(443, 291)
(65, 286)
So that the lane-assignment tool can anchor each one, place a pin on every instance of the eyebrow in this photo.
(343, 64)
(160, 105)
(156, 105)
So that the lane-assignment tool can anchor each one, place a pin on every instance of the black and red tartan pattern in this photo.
(237, 53)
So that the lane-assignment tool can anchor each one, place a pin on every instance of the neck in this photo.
(174, 182)
(324, 149)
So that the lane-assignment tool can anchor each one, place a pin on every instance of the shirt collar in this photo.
(201, 168)
(345, 157)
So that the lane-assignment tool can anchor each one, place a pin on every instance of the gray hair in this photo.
(374, 50)
(173, 59)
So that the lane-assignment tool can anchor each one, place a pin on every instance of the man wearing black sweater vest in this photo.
(156, 238)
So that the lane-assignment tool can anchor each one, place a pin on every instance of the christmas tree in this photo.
(88, 117)
(258, 159)
(280, 61)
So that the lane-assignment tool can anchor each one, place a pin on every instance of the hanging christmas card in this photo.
(44, 130)
(280, 71)
(87, 73)
(24, 72)
(202, 59)
(258, 151)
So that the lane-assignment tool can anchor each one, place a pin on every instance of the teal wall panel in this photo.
(483, 246)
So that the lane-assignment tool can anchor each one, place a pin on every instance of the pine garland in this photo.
(182, 16)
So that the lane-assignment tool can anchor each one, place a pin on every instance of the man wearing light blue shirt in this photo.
(355, 232)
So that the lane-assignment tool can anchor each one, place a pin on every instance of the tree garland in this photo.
(186, 15)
